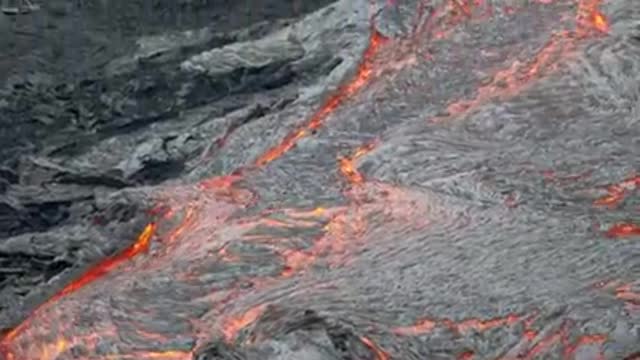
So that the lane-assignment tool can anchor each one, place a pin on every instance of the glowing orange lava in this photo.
(99, 270)
(616, 193)
(154, 355)
(584, 340)
(533, 347)
(590, 18)
(348, 168)
(379, 353)
(623, 230)
(363, 75)
(509, 82)
(343, 226)
(233, 325)
(425, 326)
(627, 294)
(513, 80)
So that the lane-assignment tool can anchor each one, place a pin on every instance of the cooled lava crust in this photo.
(351, 179)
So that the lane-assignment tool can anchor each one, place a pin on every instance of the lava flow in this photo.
(509, 82)
(101, 269)
(616, 193)
(363, 76)
(193, 284)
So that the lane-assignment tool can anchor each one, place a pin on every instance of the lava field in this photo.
(320, 180)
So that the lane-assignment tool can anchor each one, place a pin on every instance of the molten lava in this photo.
(363, 75)
(379, 353)
(623, 230)
(347, 166)
(94, 273)
(212, 219)
(616, 193)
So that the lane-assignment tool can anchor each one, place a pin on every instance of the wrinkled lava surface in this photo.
(465, 189)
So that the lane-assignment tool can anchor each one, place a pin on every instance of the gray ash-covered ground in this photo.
(321, 180)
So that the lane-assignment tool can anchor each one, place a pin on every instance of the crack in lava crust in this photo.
(174, 290)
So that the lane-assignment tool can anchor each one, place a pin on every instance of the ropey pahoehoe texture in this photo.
(348, 179)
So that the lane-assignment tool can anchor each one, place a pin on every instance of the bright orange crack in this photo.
(590, 18)
(616, 193)
(377, 351)
(513, 80)
(533, 345)
(623, 229)
(347, 164)
(99, 270)
(584, 340)
(233, 325)
(345, 226)
(627, 294)
(561, 337)
(362, 77)
(153, 355)
(624, 292)
(509, 82)
(425, 326)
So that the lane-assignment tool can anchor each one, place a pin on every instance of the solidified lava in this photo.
(363, 75)
(616, 193)
(200, 281)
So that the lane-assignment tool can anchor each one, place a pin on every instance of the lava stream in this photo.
(363, 76)
(509, 82)
(617, 193)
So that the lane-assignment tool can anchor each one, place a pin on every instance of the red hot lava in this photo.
(59, 327)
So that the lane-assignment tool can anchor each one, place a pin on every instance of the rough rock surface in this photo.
(323, 179)
(82, 137)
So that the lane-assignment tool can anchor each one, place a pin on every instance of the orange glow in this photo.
(287, 144)
(348, 168)
(546, 343)
(141, 245)
(94, 273)
(332, 243)
(296, 261)
(590, 18)
(596, 339)
(187, 221)
(362, 77)
(379, 353)
(484, 325)
(52, 334)
(464, 6)
(220, 182)
(551, 176)
(232, 326)
(626, 294)
(423, 326)
(153, 355)
(623, 230)
(600, 22)
(511, 81)
(348, 171)
(623, 292)
(616, 193)
(530, 335)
